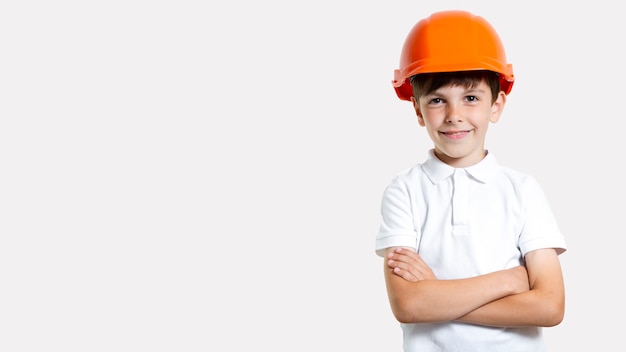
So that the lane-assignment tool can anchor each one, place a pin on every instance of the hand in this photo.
(409, 265)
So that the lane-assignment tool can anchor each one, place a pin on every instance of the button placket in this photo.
(460, 199)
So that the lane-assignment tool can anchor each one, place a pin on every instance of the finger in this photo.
(412, 263)
(408, 272)
(408, 259)
(404, 274)
(403, 252)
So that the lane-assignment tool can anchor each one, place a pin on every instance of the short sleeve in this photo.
(540, 228)
(397, 227)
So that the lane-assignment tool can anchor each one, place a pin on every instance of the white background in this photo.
(196, 176)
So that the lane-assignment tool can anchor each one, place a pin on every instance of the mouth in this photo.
(455, 134)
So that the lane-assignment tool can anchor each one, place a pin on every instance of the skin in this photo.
(457, 119)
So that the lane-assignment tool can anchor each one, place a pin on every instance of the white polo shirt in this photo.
(464, 223)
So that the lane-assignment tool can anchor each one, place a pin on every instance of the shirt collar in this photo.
(437, 170)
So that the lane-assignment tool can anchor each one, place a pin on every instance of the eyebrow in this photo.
(467, 91)
(475, 89)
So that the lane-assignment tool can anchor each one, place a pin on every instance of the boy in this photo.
(470, 247)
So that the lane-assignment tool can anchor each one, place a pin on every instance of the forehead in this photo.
(457, 86)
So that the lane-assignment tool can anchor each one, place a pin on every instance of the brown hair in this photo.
(426, 83)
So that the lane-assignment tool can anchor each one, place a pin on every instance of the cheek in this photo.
(431, 122)
(432, 128)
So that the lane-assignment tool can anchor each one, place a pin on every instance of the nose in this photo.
(454, 114)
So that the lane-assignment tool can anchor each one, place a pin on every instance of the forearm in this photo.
(542, 305)
(444, 300)
(532, 308)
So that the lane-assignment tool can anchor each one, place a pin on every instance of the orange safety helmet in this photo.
(449, 41)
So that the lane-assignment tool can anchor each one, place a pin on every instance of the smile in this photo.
(455, 134)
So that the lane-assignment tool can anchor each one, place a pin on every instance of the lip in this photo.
(455, 134)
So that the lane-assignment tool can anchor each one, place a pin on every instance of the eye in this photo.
(435, 101)
(471, 98)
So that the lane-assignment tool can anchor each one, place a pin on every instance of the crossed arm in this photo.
(531, 295)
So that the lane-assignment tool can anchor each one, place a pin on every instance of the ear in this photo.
(497, 107)
(418, 112)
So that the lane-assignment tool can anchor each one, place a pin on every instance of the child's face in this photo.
(456, 119)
